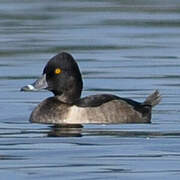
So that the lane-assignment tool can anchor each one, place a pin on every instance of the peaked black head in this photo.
(61, 76)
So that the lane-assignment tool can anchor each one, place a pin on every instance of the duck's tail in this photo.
(153, 99)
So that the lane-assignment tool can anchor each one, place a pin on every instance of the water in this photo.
(127, 48)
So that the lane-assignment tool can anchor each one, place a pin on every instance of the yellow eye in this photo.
(57, 71)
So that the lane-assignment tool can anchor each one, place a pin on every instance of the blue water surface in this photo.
(128, 48)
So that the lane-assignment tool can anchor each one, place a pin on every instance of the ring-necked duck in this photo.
(62, 76)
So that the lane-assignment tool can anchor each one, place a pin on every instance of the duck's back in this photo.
(92, 109)
(109, 109)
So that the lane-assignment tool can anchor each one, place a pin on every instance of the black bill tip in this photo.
(28, 88)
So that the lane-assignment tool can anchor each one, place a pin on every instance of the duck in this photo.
(62, 77)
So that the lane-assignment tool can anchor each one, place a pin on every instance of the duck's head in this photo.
(61, 76)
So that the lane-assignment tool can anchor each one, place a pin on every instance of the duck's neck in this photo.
(70, 95)
(67, 99)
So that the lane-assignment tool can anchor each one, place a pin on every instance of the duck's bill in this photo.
(39, 84)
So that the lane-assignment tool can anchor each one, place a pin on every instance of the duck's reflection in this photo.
(69, 130)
